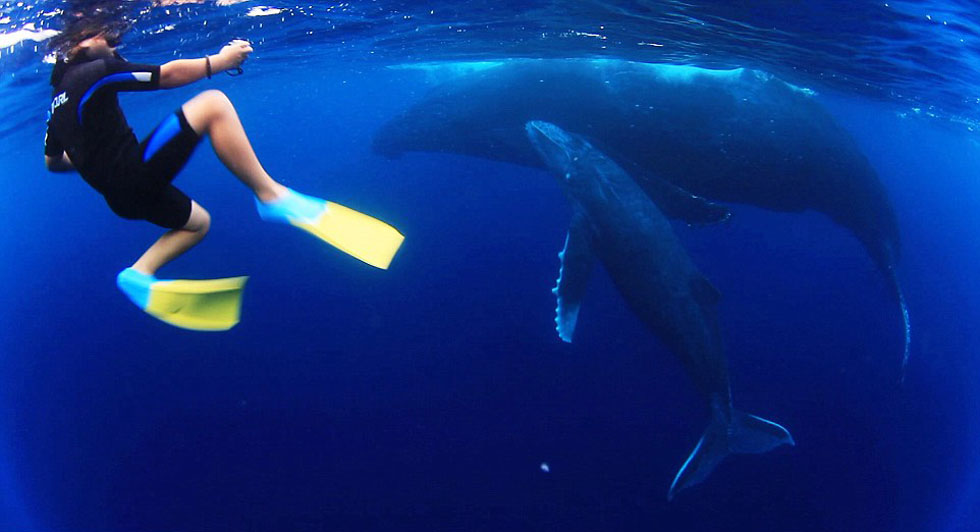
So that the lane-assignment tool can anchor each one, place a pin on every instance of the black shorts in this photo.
(148, 195)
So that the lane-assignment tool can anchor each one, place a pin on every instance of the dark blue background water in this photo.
(427, 396)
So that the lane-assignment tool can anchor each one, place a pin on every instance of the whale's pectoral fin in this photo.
(679, 204)
(900, 296)
(573, 277)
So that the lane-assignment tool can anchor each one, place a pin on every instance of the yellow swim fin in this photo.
(200, 305)
(356, 234)
(359, 235)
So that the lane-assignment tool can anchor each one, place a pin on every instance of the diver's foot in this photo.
(201, 305)
(136, 285)
(291, 207)
(271, 193)
(357, 234)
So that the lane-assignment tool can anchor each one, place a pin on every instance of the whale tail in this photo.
(736, 433)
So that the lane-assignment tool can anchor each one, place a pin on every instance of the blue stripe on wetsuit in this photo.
(120, 77)
(167, 130)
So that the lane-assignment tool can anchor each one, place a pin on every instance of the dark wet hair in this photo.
(84, 19)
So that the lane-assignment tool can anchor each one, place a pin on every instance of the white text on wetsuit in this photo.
(57, 102)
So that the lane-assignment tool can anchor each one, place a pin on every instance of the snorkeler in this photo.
(88, 133)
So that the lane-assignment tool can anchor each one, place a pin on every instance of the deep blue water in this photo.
(426, 397)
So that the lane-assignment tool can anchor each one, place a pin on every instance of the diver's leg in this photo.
(372, 241)
(211, 113)
(203, 305)
(175, 242)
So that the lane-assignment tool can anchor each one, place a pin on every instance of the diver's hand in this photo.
(232, 55)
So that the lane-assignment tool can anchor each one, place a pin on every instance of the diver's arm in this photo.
(180, 72)
(59, 164)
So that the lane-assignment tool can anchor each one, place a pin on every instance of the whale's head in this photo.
(586, 174)
(560, 150)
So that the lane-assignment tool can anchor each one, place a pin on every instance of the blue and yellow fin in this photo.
(200, 305)
(359, 235)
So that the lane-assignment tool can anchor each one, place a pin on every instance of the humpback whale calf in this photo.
(617, 222)
(689, 136)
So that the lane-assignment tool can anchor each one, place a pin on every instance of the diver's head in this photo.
(96, 43)
(88, 49)
(91, 33)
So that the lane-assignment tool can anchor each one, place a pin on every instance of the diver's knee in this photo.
(199, 221)
(204, 222)
(205, 108)
(216, 100)
(217, 95)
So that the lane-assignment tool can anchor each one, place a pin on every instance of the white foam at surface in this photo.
(21, 35)
(263, 11)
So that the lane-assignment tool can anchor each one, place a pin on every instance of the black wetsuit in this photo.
(86, 122)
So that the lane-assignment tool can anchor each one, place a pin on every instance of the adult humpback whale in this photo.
(617, 222)
(687, 135)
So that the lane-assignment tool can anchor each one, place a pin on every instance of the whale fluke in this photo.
(736, 432)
